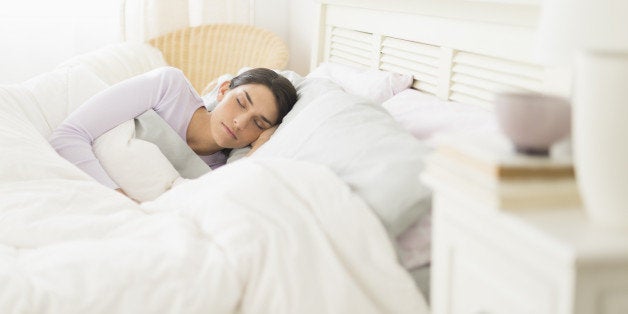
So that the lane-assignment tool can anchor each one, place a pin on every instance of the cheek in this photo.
(247, 137)
(224, 113)
(222, 110)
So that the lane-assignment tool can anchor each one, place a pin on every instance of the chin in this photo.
(234, 145)
(229, 143)
(241, 146)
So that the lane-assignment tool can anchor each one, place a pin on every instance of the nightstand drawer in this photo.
(482, 273)
(485, 281)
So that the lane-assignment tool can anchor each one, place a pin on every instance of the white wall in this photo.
(273, 16)
(293, 21)
(302, 19)
(37, 35)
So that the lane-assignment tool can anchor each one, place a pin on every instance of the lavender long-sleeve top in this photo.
(165, 90)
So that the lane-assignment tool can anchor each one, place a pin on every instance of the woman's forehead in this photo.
(255, 88)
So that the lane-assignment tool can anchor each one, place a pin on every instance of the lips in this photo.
(228, 130)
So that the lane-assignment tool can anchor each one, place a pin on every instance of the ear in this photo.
(222, 90)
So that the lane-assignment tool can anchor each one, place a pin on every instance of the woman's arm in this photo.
(104, 111)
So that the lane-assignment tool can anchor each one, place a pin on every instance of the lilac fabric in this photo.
(165, 90)
(426, 115)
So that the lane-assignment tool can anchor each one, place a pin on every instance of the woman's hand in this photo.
(263, 138)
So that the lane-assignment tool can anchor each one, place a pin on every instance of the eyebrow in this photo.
(251, 102)
(248, 97)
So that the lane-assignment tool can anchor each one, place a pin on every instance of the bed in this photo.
(334, 200)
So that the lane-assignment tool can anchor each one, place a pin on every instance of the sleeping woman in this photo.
(250, 106)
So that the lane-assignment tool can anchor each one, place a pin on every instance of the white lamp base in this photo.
(600, 135)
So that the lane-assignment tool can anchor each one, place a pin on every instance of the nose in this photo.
(239, 122)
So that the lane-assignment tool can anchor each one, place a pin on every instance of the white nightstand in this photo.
(540, 259)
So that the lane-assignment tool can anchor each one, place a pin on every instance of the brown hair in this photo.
(284, 92)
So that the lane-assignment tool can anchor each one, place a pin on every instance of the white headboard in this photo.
(460, 50)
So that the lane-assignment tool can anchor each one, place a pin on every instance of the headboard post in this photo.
(377, 53)
(319, 44)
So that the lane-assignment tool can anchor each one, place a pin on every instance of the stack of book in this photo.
(491, 171)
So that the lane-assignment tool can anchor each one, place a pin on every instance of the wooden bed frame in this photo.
(458, 50)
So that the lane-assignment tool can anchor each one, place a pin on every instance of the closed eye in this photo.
(240, 103)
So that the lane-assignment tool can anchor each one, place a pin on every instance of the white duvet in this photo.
(264, 236)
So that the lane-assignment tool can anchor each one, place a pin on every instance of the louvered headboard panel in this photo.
(420, 60)
(466, 54)
(350, 47)
(476, 78)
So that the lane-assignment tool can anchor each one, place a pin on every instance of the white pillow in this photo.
(425, 115)
(375, 85)
(137, 166)
(361, 143)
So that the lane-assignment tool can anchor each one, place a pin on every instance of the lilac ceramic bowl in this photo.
(532, 121)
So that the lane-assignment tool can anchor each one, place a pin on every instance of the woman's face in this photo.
(243, 114)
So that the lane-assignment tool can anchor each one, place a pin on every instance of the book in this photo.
(494, 154)
(488, 170)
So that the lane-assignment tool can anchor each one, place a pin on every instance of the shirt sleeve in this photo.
(104, 111)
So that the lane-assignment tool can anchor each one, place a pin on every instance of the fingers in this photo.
(263, 138)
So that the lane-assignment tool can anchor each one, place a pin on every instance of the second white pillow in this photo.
(374, 85)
